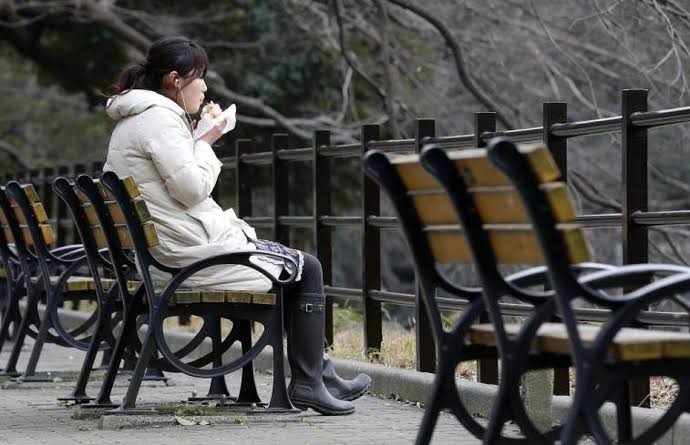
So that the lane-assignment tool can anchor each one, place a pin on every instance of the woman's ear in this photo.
(172, 80)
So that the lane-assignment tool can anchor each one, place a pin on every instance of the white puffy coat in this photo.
(175, 174)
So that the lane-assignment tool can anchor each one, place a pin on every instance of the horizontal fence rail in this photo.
(634, 219)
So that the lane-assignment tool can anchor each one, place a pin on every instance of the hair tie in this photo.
(143, 65)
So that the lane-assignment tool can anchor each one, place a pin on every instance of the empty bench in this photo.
(457, 206)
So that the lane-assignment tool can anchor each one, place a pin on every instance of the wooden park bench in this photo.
(117, 217)
(34, 270)
(457, 207)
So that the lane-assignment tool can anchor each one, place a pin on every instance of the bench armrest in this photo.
(68, 248)
(630, 275)
(231, 258)
(634, 275)
(536, 276)
(68, 253)
(625, 276)
(632, 303)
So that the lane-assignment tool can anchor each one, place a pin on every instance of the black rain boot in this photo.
(305, 352)
(344, 389)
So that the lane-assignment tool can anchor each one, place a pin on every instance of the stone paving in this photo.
(32, 415)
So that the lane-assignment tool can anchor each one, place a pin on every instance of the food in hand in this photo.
(212, 110)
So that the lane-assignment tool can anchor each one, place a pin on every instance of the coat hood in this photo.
(134, 102)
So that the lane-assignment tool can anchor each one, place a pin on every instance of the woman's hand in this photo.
(215, 132)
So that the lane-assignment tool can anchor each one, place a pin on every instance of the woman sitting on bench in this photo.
(153, 141)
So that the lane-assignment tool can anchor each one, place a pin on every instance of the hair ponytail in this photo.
(166, 54)
(130, 77)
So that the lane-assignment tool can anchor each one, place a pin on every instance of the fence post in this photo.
(281, 197)
(61, 211)
(44, 189)
(485, 122)
(635, 241)
(426, 350)
(321, 189)
(71, 235)
(96, 169)
(371, 250)
(556, 113)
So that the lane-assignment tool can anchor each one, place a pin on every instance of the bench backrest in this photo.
(141, 215)
(9, 227)
(119, 220)
(496, 207)
(74, 201)
(30, 216)
(457, 207)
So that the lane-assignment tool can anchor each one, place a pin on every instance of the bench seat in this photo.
(630, 344)
(219, 296)
(78, 284)
(183, 296)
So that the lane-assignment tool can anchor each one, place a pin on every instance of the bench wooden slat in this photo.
(30, 192)
(80, 284)
(81, 196)
(475, 168)
(496, 205)
(629, 344)
(77, 283)
(140, 210)
(129, 184)
(269, 299)
(513, 244)
(39, 213)
(126, 242)
(90, 214)
(46, 232)
(186, 297)
(238, 297)
(211, 296)
(8, 233)
(220, 296)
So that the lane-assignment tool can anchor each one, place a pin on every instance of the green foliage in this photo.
(68, 44)
(290, 78)
(345, 317)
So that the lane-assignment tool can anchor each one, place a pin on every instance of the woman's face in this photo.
(190, 96)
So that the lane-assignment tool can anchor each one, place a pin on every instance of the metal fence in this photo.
(634, 220)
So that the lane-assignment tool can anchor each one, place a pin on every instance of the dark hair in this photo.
(173, 53)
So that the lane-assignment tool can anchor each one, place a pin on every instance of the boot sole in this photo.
(319, 409)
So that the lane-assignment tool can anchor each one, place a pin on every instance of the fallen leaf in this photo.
(184, 421)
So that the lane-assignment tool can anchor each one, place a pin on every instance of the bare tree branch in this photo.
(103, 13)
(454, 46)
(337, 8)
(591, 193)
(387, 67)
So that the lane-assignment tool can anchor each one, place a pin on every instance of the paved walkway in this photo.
(31, 415)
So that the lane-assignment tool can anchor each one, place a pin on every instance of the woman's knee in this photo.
(312, 270)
